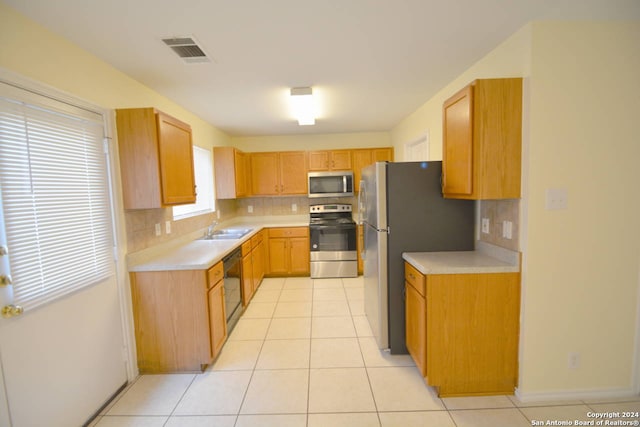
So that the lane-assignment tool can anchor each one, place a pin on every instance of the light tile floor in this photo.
(303, 355)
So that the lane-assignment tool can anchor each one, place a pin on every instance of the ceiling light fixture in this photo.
(303, 105)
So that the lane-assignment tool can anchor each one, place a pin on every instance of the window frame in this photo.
(205, 184)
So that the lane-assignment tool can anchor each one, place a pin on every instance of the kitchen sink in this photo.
(227, 234)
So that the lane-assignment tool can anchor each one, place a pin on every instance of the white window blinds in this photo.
(55, 196)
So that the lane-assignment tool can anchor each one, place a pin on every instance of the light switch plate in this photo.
(250, 209)
(556, 199)
(167, 227)
(158, 230)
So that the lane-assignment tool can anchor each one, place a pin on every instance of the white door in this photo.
(63, 359)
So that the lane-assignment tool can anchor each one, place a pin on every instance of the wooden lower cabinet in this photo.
(217, 318)
(180, 322)
(416, 318)
(253, 269)
(288, 251)
(247, 274)
(469, 326)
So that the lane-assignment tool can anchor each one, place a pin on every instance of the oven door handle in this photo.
(333, 226)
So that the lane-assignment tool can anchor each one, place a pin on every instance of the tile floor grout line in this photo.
(182, 396)
(309, 370)
(366, 368)
(255, 364)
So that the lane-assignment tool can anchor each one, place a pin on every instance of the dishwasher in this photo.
(232, 265)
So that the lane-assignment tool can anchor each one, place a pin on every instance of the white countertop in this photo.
(485, 259)
(189, 253)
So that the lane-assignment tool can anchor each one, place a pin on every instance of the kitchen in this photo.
(563, 266)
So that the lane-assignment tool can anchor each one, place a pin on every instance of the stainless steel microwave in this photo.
(330, 184)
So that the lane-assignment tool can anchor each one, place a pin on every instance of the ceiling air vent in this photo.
(187, 49)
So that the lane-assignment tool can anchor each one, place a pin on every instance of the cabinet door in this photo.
(241, 173)
(264, 174)
(217, 317)
(361, 159)
(457, 161)
(258, 265)
(299, 255)
(247, 279)
(293, 172)
(176, 161)
(318, 160)
(340, 160)
(278, 255)
(382, 154)
(415, 325)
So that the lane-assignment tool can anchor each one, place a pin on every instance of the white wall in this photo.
(35, 52)
(582, 264)
(510, 59)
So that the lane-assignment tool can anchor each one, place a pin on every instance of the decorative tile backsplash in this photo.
(141, 224)
(498, 211)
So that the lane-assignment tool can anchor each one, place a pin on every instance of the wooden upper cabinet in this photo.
(156, 159)
(264, 174)
(231, 167)
(482, 140)
(366, 156)
(330, 160)
(278, 173)
(293, 172)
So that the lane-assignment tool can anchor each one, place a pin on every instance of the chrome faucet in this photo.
(211, 228)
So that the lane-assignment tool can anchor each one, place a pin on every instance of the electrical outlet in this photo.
(485, 225)
(507, 229)
(250, 209)
(158, 230)
(218, 214)
(167, 227)
(294, 207)
(574, 360)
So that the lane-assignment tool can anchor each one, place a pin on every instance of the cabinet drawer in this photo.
(289, 232)
(415, 278)
(256, 240)
(215, 274)
(246, 247)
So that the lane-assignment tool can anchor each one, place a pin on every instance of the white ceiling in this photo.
(371, 62)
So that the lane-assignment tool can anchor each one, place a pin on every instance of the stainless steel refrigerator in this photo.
(402, 210)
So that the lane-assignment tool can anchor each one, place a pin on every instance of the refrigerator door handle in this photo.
(362, 200)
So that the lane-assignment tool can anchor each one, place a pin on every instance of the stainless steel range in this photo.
(333, 241)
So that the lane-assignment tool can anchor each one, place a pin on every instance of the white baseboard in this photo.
(568, 395)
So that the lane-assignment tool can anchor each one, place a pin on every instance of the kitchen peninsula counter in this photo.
(486, 258)
(189, 253)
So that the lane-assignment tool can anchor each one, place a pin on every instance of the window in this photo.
(205, 197)
(54, 196)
